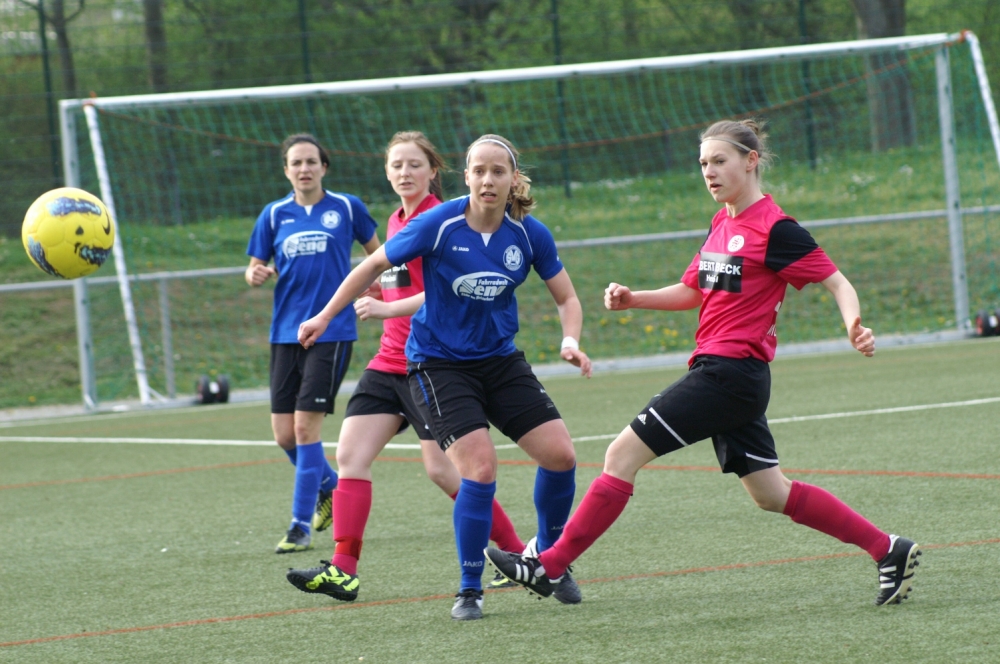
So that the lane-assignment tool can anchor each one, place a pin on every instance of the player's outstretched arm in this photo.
(672, 298)
(369, 307)
(374, 289)
(843, 292)
(356, 282)
(571, 317)
(258, 272)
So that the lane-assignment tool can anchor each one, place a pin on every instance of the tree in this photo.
(890, 97)
(215, 17)
(757, 27)
(156, 44)
(60, 24)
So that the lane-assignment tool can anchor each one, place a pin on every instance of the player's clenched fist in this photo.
(862, 338)
(256, 275)
(311, 330)
(617, 297)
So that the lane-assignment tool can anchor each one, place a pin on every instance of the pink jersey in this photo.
(742, 271)
(399, 283)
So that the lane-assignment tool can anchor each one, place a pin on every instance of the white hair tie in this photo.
(500, 143)
(728, 140)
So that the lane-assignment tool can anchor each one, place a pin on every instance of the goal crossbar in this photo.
(938, 44)
(551, 72)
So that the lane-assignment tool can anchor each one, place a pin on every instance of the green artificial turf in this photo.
(125, 552)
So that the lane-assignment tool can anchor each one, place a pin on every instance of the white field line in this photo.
(885, 411)
(185, 441)
(411, 446)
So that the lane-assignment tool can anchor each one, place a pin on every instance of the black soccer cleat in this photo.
(468, 605)
(327, 579)
(895, 571)
(296, 539)
(500, 581)
(522, 570)
(566, 591)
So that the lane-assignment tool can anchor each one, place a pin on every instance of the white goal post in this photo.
(70, 111)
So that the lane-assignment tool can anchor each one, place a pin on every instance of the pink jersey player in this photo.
(738, 280)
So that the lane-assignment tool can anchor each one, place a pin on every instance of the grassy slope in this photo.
(219, 325)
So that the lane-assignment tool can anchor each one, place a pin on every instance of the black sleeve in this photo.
(787, 243)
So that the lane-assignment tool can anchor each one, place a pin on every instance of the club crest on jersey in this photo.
(484, 286)
(305, 244)
(512, 257)
(330, 219)
(720, 272)
(735, 243)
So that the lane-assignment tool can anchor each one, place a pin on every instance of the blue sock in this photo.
(329, 481)
(308, 472)
(554, 491)
(291, 454)
(473, 519)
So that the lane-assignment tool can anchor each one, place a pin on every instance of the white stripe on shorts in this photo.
(752, 456)
(667, 427)
(433, 393)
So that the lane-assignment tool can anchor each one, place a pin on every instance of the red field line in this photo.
(431, 598)
(517, 462)
(224, 619)
(794, 471)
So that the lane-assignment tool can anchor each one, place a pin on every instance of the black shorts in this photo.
(460, 397)
(307, 380)
(380, 392)
(719, 397)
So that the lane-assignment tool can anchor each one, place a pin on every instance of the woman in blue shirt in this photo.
(463, 365)
(309, 235)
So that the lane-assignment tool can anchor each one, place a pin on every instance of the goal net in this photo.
(890, 146)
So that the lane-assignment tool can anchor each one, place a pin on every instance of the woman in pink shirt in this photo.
(738, 279)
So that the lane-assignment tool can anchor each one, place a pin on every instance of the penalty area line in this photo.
(184, 441)
(416, 446)
(849, 413)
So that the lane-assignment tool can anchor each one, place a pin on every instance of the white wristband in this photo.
(570, 342)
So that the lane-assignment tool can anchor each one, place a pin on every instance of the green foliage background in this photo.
(187, 200)
(213, 44)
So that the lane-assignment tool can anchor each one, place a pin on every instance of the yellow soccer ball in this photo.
(68, 233)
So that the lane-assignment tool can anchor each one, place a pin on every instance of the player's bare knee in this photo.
(303, 434)
(348, 463)
(770, 498)
(626, 455)
(560, 459)
(769, 503)
(482, 473)
(439, 476)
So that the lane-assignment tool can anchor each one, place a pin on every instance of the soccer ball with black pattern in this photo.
(68, 233)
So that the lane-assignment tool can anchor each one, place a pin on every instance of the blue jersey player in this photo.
(308, 234)
(464, 369)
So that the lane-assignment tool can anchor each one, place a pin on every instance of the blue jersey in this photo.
(312, 254)
(470, 311)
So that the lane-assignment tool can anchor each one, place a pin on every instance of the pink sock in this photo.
(601, 506)
(352, 502)
(502, 532)
(821, 510)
